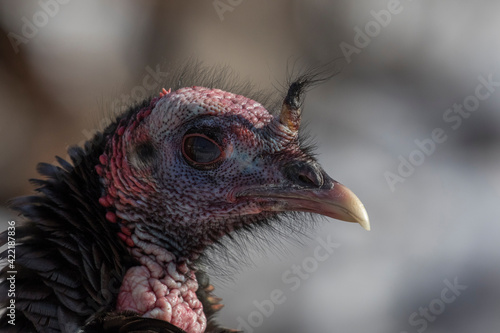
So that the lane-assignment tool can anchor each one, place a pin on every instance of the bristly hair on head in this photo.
(193, 72)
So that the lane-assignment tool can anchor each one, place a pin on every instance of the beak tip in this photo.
(363, 220)
(365, 224)
(355, 211)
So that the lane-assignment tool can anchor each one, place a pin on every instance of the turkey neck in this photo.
(161, 287)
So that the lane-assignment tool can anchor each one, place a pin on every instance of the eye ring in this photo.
(199, 151)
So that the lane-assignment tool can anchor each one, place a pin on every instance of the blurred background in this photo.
(406, 68)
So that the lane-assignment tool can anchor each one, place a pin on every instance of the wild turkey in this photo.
(113, 240)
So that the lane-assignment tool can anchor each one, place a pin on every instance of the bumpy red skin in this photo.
(156, 292)
(164, 286)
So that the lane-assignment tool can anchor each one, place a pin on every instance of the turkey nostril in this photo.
(306, 180)
(304, 174)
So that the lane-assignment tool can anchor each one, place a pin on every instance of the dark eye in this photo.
(200, 150)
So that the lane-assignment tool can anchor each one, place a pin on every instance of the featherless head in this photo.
(197, 163)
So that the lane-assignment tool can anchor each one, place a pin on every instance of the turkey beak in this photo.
(310, 189)
(339, 202)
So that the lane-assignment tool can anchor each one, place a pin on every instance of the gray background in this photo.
(440, 224)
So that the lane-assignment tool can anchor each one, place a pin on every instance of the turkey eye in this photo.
(201, 150)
